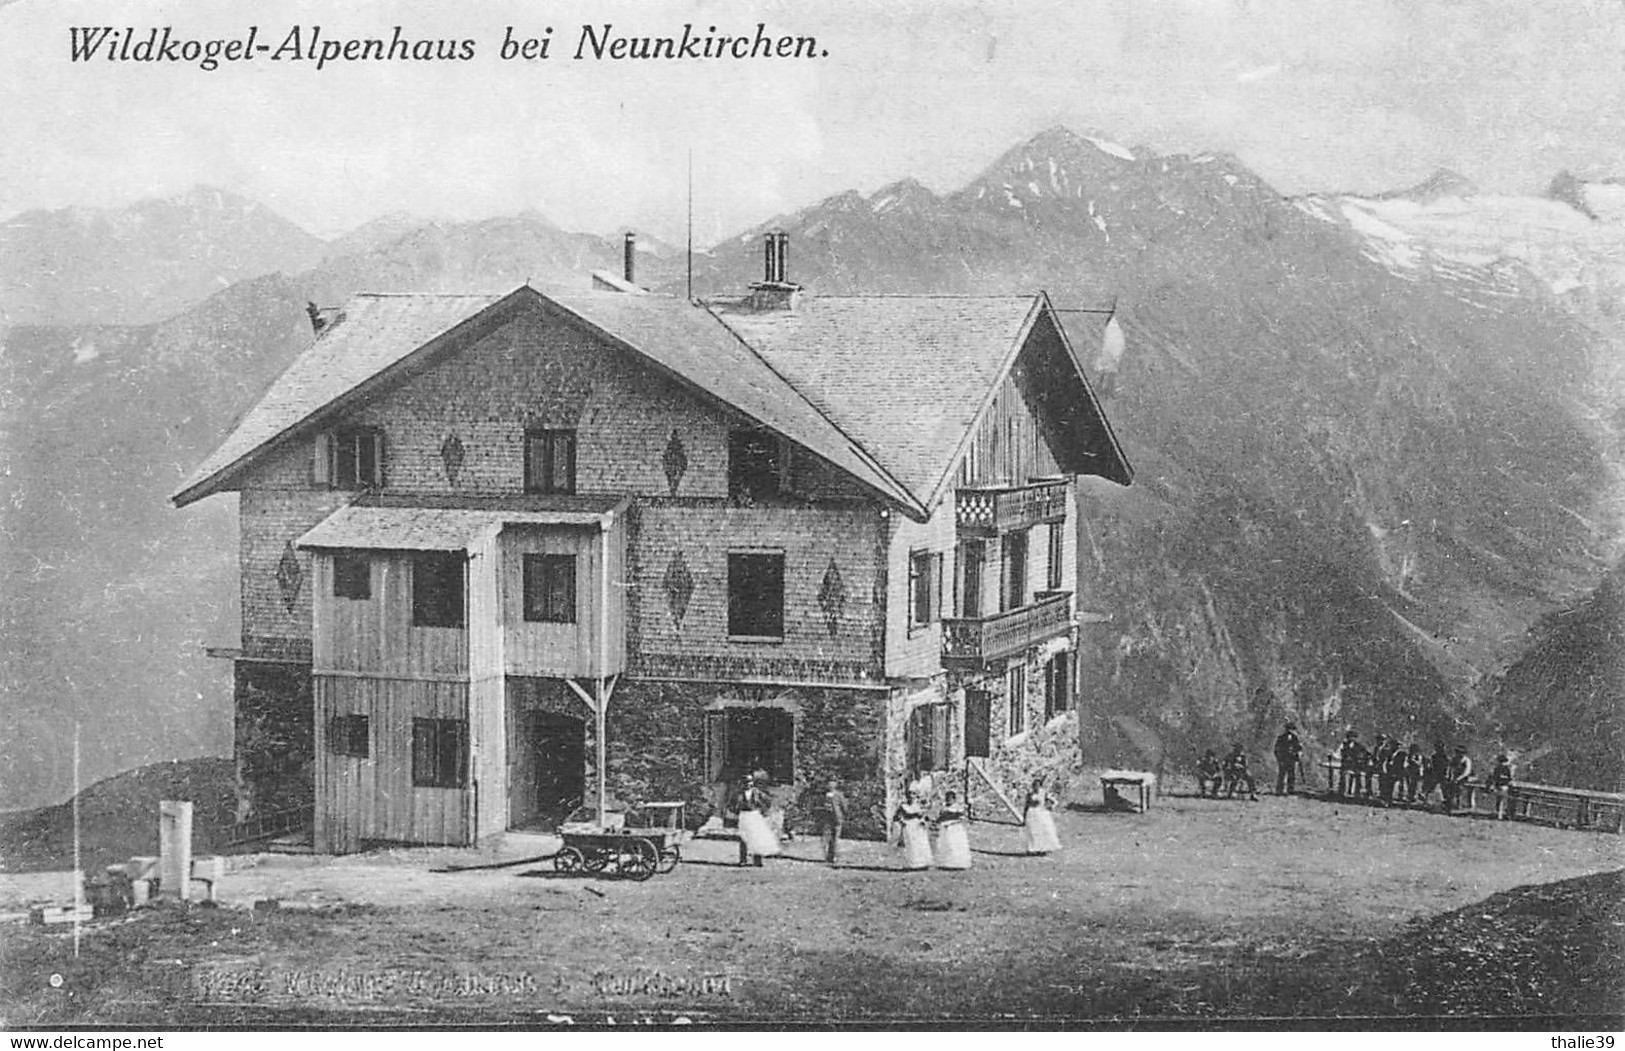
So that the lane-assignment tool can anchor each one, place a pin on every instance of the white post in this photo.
(78, 865)
(603, 662)
(175, 848)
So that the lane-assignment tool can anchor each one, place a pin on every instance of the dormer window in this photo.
(351, 458)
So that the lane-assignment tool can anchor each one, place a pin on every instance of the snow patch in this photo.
(1231, 179)
(1107, 146)
(1100, 221)
(83, 351)
(1033, 188)
(1389, 244)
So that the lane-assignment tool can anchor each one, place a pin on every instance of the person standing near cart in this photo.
(754, 831)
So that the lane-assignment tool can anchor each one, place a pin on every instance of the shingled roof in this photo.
(884, 387)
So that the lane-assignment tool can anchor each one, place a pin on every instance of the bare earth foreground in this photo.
(1286, 912)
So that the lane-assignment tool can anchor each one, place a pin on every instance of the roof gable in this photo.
(889, 389)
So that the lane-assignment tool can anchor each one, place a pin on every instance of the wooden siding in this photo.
(483, 608)
(539, 648)
(488, 740)
(375, 636)
(916, 651)
(1009, 446)
(374, 798)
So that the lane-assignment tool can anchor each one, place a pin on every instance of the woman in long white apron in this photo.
(914, 839)
(953, 835)
(1038, 824)
(754, 830)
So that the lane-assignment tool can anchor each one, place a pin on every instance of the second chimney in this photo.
(628, 265)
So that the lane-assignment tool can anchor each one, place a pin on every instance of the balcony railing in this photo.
(990, 511)
(1006, 634)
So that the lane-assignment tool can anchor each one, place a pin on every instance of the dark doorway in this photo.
(547, 764)
(978, 716)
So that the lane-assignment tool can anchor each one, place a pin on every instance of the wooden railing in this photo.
(1006, 634)
(986, 511)
(1547, 804)
(272, 823)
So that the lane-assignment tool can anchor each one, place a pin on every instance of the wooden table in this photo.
(1141, 783)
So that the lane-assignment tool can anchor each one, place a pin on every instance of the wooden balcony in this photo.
(987, 512)
(1006, 634)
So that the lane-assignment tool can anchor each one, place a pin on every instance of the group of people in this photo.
(1233, 775)
(951, 823)
(952, 847)
(1389, 773)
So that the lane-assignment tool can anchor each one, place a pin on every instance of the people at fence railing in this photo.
(1499, 781)
(1415, 767)
(1459, 779)
(1436, 772)
(1208, 774)
(1393, 775)
(1352, 761)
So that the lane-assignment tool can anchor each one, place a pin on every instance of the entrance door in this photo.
(548, 769)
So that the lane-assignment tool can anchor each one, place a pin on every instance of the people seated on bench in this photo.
(1236, 774)
(1208, 772)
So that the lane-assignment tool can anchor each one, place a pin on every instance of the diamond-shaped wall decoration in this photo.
(451, 454)
(832, 598)
(675, 461)
(679, 585)
(289, 576)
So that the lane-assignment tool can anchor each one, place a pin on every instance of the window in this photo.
(926, 737)
(978, 723)
(740, 741)
(970, 558)
(1015, 570)
(351, 458)
(437, 590)
(352, 577)
(1057, 683)
(756, 594)
(756, 464)
(924, 587)
(439, 753)
(1057, 569)
(348, 735)
(550, 588)
(550, 461)
(1016, 681)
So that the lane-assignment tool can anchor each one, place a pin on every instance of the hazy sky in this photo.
(1349, 94)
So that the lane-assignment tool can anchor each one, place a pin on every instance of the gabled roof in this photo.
(886, 388)
(907, 377)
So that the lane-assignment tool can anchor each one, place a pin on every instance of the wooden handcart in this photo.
(649, 841)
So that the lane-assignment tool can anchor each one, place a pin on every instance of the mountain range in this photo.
(1378, 442)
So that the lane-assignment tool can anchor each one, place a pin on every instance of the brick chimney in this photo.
(775, 291)
(628, 263)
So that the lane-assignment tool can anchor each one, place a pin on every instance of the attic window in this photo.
(351, 458)
(762, 465)
(550, 461)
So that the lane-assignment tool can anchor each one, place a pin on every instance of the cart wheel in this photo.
(596, 861)
(669, 859)
(568, 860)
(640, 861)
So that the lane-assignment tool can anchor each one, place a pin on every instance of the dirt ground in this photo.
(1283, 911)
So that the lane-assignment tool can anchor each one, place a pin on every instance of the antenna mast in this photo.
(691, 224)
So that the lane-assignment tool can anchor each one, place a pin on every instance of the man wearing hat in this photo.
(1500, 782)
(1288, 749)
(1352, 758)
